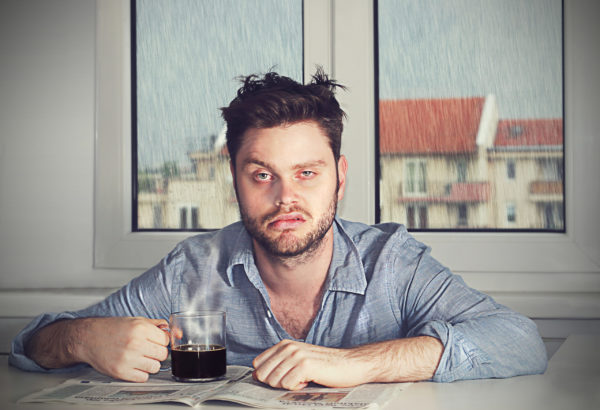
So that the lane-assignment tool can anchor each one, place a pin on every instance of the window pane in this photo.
(470, 114)
(188, 54)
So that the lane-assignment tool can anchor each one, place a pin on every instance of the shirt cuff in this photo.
(461, 359)
(17, 357)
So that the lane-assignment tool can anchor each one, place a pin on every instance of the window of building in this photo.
(186, 56)
(416, 216)
(511, 213)
(553, 215)
(415, 181)
(552, 169)
(446, 95)
(462, 215)
(511, 169)
(461, 170)
(188, 217)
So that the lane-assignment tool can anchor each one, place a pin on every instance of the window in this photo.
(186, 56)
(188, 217)
(415, 181)
(416, 216)
(552, 169)
(511, 213)
(461, 170)
(553, 215)
(492, 257)
(510, 169)
(446, 94)
(183, 218)
(462, 215)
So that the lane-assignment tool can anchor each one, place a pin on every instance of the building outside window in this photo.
(447, 96)
(473, 126)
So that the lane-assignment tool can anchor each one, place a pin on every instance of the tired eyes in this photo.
(265, 176)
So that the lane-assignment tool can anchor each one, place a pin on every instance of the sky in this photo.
(182, 83)
(464, 48)
(427, 49)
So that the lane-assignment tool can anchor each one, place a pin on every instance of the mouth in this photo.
(284, 222)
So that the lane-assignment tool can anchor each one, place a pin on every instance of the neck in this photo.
(302, 275)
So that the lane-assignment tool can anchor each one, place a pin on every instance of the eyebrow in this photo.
(309, 164)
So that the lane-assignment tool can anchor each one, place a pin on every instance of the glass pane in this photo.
(188, 56)
(470, 114)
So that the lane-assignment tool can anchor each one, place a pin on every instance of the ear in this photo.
(342, 169)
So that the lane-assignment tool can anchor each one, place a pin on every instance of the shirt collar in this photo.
(346, 271)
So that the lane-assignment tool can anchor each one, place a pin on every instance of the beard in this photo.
(286, 245)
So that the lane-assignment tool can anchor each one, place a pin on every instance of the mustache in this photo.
(285, 210)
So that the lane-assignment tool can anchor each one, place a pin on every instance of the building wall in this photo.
(517, 191)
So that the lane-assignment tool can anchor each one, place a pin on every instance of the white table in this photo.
(571, 382)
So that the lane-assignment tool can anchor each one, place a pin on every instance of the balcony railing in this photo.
(546, 188)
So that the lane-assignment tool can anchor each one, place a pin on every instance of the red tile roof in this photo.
(529, 132)
(429, 126)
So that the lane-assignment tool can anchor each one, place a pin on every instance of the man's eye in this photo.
(262, 176)
(307, 174)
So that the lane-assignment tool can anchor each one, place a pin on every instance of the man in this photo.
(309, 297)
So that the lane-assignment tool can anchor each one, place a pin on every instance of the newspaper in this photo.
(237, 386)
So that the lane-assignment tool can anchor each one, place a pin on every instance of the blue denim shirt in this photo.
(382, 284)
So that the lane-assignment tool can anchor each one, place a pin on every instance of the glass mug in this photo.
(198, 350)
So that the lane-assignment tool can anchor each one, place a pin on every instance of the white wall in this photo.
(47, 137)
(47, 75)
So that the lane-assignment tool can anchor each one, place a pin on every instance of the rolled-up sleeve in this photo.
(481, 338)
(147, 295)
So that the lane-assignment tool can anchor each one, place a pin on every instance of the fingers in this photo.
(155, 351)
(127, 348)
(285, 365)
(148, 365)
(156, 334)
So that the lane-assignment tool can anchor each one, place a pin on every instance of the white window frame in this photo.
(339, 36)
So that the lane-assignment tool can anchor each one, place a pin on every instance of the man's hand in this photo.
(292, 365)
(126, 348)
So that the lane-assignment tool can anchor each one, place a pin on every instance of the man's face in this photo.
(287, 187)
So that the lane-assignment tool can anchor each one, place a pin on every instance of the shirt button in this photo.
(269, 314)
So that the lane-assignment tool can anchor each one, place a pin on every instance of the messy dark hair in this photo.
(275, 100)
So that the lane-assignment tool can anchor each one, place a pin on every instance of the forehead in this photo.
(297, 142)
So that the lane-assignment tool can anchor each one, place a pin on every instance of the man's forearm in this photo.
(400, 360)
(54, 346)
(292, 365)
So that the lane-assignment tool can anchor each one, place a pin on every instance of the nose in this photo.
(285, 193)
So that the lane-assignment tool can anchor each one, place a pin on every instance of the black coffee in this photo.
(198, 361)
